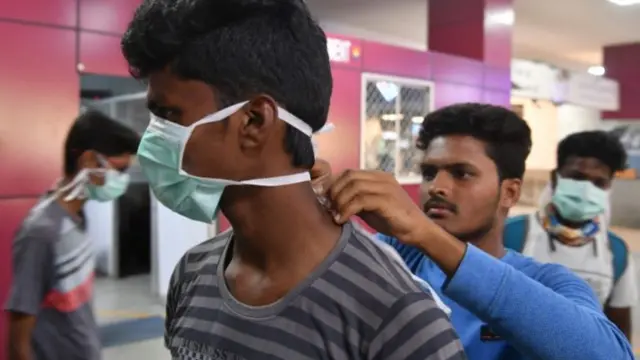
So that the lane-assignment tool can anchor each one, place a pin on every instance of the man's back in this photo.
(358, 304)
(53, 266)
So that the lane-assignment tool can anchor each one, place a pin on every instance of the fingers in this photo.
(320, 169)
(356, 191)
(321, 177)
(350, 176)
(358, 205)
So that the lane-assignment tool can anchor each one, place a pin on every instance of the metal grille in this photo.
(394, 112)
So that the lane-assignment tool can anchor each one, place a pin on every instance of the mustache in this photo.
(439, 202)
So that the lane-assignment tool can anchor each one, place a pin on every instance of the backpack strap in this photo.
(515, 232)
(620, 253)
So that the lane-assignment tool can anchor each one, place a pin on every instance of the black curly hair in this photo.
(596, 144)
(507, 135)
(242, 48)
(93, 130)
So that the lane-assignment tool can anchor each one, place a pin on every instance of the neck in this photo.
(491, 241)
(565, 222)
(276, 227)
(72, 206)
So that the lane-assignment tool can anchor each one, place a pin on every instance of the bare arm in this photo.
(20, 328)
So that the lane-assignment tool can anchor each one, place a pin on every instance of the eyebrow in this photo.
(449, 165)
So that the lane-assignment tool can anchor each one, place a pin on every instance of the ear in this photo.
(510, 192)
(259, 122)
(88, 160)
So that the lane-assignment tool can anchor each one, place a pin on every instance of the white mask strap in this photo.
(278, 180)
(283, 115)
(328, 127)
(218, 116)
(77, 186)
(293, 120)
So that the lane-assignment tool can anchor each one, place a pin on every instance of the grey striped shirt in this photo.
(358, 304)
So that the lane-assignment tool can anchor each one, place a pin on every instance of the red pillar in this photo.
(621, 63)
(476, 29)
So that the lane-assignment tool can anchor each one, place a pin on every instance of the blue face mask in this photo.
(579, 200)
(160, 155)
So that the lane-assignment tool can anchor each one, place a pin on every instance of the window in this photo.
(392, 113)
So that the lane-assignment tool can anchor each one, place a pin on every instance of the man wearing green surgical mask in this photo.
(572, 225)
(49, 304)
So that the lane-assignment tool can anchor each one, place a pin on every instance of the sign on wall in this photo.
(535, 80)
(532, 80)
(342, 51)
(594, 92)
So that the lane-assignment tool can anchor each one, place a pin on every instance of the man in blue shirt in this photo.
(504, 305)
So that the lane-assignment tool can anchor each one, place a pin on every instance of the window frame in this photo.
(400, 81)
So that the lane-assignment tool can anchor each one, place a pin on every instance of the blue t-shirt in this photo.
(515, 308)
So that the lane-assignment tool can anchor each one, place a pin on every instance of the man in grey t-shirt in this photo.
(51, 316)
(236, 89)
(359, 303)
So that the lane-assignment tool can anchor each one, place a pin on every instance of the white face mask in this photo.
(547, 194)
(80, 187)
(161, 154)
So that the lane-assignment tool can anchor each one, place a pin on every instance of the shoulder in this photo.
(201, 258)
(415, 316)
(43, 224)
(381, 260)
(554, 276)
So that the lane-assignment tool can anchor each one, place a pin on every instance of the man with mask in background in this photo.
(572, 225)
(503, 305)
(237, 88)
(49, 304)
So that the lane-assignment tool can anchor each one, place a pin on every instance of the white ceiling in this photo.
(566, 33)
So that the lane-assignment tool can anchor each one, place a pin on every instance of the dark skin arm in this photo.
(20, 330)
(412, 227)
(382, 203)
(621, 317)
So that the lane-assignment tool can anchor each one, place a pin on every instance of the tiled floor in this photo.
(131, 298)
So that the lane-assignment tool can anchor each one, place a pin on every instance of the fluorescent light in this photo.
(417, 119)
(389, 135)
(596, 70)
(392, 117)
(504, 17)
(624, 2)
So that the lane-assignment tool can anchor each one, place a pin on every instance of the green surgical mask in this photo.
(579, 200)
(115, 185)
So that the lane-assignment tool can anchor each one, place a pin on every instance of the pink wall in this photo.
(621, 62)
(39, 96)
(39, 93)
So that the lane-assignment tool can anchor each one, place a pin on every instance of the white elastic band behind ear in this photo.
(293, 120)
(326, 128)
